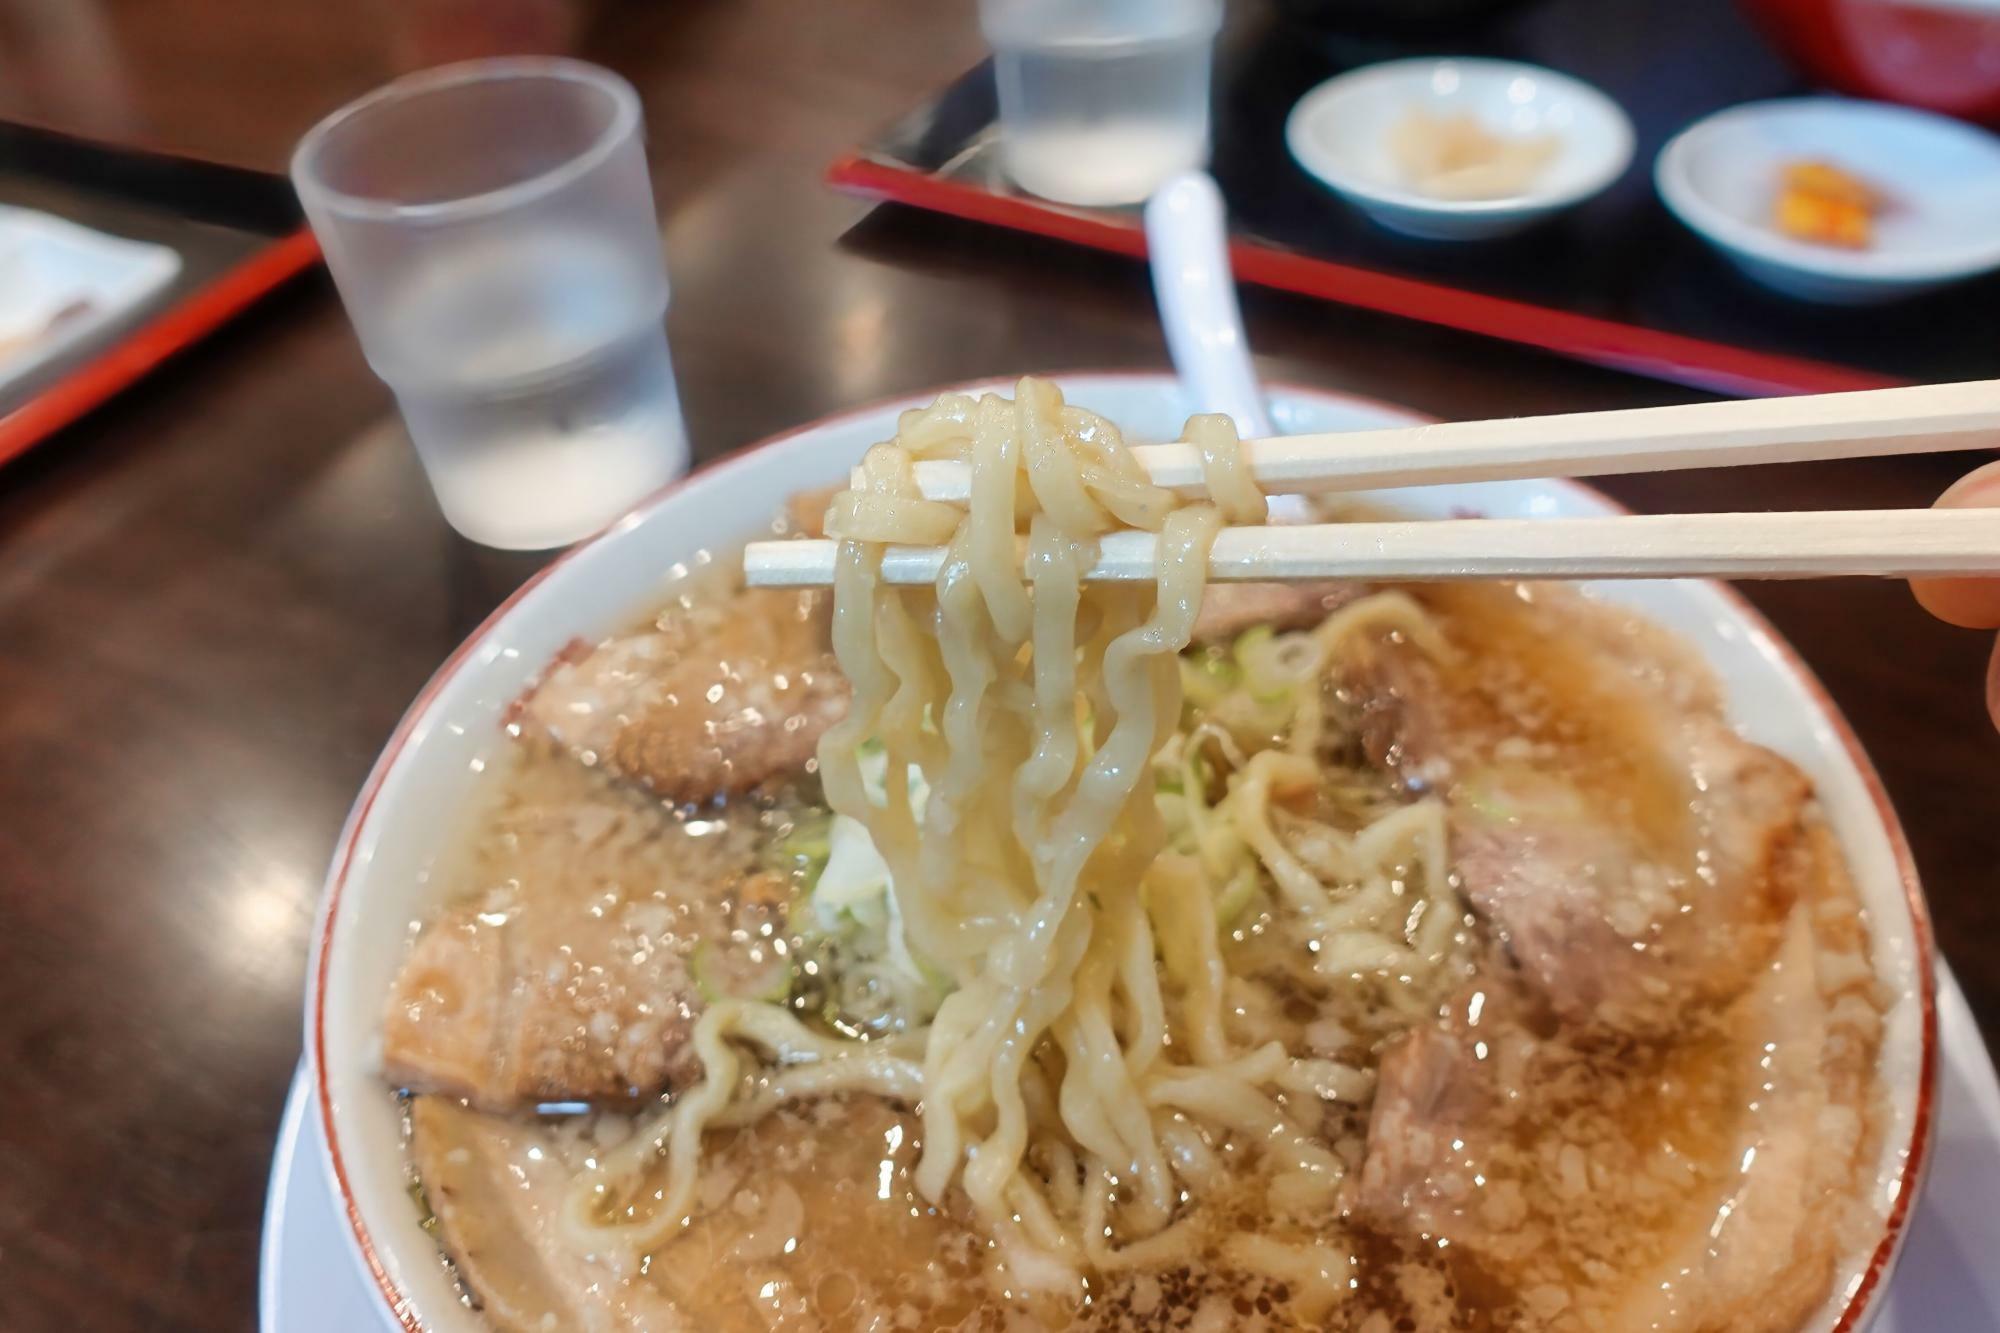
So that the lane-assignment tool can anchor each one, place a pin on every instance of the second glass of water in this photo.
(491, 229)
(1101, 101)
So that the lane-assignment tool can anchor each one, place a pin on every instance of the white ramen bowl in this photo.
(1339, 132)
(380, 880)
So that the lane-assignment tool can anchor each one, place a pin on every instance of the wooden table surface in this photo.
(218, 594)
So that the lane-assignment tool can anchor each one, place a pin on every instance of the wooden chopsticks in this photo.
(1898, 543)
(1928, 418)
(1885, 542)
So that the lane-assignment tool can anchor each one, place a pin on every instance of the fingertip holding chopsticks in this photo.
(1879, 422)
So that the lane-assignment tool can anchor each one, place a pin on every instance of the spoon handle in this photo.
(1187, 241)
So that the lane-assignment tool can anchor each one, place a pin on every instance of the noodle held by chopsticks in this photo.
(1087, 1061)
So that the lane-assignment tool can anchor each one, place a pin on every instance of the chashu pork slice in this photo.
(717, 699)
(1229, 609)
(1623, 842)
(510, 1005)
(571, 978)
(1712, 1185)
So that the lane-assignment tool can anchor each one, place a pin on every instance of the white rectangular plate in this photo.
(49, 267)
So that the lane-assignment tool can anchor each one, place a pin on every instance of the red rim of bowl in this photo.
(1916, 1157)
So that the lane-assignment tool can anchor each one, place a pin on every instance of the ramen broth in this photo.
(1571, 1183)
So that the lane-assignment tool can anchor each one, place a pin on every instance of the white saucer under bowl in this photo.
(1940, 177)
(1339, 132)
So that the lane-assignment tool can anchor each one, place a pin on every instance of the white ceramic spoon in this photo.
(1192, 281)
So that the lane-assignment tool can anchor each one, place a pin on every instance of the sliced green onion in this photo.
(1235, 896)
(1483, 800)
(718, 977)
(805, 846)
(1208, 676)
(1250, 642)
(427, 1215)
(1275, 666)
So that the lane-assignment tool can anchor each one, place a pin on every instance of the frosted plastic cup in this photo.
(1101, 101)
(490, 227)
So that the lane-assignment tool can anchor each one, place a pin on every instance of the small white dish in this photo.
(61, 285)
(379, 881)
(1339, 132)
(1941, 178)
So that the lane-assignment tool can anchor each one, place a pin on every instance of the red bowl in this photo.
(1943, 55)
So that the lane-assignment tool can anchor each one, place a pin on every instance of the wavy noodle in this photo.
(1095, 1048)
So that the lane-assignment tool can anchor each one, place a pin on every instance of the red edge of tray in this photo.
(173, 330)
(1716, 367)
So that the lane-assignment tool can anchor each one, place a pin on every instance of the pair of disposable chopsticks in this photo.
(1882, 542)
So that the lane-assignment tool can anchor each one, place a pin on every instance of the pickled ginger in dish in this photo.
(1455, 156)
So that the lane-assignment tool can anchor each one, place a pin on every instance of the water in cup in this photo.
(1101, 100)
(535, 379)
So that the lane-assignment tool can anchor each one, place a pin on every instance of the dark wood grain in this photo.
(217, 595)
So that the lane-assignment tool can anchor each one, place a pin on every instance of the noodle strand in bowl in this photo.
(1093, 1052)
